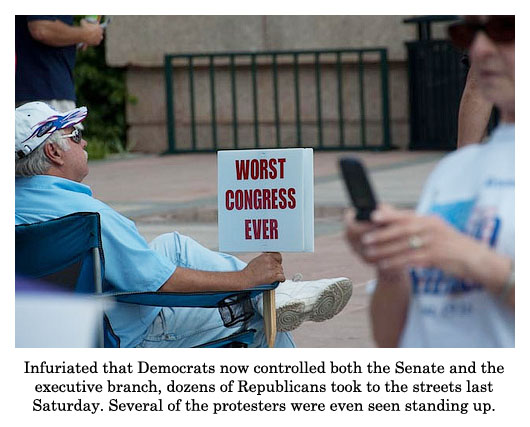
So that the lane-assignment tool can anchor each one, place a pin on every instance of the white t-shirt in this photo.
(474, 190)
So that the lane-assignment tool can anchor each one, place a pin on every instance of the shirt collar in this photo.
(504, 132)
(52, 182)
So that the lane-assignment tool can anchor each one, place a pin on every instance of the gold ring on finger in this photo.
(415, 242)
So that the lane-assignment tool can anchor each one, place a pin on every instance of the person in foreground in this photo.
(445, 274)
(51, 162)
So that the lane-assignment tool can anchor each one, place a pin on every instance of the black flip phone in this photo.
(359, 188)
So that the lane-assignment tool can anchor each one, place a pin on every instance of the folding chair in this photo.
(67, 251)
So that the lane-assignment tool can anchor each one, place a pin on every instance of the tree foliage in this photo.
(103, 91)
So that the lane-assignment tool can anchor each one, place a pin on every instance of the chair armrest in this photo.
(187, 299)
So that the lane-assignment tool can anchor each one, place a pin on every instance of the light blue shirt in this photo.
(130, 265)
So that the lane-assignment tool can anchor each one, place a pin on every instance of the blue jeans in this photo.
(188, 327)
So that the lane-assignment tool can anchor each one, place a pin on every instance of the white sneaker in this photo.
(316, 300)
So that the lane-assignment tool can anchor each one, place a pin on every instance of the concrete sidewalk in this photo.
(166, 193)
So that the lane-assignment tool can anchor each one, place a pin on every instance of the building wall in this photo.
(139, 43)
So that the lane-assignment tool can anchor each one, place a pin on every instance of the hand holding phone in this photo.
(359, 188)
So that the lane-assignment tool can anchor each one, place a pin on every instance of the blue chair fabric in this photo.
(60, 251)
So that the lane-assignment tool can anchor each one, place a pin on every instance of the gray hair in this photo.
(36, 163)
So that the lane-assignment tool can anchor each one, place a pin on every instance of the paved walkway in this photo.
(166, 193)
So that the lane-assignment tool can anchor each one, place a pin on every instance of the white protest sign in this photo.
(265, 200)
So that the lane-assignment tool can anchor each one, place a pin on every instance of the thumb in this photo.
(277, 256)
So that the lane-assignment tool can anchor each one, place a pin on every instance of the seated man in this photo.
(50, 163)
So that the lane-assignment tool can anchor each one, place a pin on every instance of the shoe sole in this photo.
(290, 316)
(330, 302)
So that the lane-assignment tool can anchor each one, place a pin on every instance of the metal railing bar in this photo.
(339, 99)
(352, 148)
(255, 101)
(362, 101)
(169, 105)
(192, 104)
(212, 98)
(276, 52)
(318, 99)
(387, 142)
(234, 100)
(297, 101)
(276, 100)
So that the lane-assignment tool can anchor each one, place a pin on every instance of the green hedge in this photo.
(102, 89)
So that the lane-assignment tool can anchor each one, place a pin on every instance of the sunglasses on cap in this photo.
(76, 136)
(499, 28)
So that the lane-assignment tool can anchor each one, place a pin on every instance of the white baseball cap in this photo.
(36, 121)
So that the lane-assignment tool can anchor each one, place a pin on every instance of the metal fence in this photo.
(347, 67)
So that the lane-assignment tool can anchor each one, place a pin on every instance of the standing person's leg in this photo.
(188, 327)
(61, 105)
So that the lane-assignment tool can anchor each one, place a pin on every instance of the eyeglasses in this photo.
(76, 136)
(499, 28)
